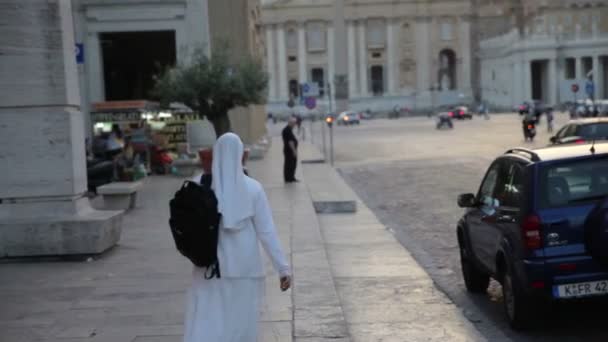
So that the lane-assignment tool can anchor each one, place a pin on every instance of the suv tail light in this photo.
(531, 230)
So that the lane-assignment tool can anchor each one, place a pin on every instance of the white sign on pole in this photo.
(310, 89)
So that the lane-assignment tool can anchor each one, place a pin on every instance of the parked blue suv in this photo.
(538, 225)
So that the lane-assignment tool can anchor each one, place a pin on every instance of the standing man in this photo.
(290, 150)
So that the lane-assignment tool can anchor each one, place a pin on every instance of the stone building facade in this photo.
(156, 34)
(546, 47)
(409, 54)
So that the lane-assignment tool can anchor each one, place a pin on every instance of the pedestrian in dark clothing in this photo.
(290, 151)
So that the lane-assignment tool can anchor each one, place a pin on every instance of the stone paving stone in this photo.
(275, 332)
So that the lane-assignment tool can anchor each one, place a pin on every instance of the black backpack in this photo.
(195, 224)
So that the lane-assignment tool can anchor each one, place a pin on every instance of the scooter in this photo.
(529, 129)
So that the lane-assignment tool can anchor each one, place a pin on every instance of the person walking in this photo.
(227, 309)
(290, 151)
(550, 118)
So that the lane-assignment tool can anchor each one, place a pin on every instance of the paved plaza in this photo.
(352, 280)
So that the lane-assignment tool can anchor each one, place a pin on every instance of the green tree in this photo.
(213, 85)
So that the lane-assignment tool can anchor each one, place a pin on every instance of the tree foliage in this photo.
(212, 85)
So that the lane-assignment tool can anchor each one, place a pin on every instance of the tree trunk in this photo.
(221, 124)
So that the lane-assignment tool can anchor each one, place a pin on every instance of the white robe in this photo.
(227, 309)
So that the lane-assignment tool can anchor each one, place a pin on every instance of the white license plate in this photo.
(590, 288)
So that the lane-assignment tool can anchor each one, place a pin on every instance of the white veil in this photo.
(229, 182)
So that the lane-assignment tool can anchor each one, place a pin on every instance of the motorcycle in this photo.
(529, 130)
(443, 120)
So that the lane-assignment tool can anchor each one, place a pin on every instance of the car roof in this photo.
(559, 152)
(587, 121)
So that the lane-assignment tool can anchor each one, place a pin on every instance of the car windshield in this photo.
(573, 182)
(594, 131)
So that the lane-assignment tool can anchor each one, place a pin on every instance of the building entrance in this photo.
(132, 59)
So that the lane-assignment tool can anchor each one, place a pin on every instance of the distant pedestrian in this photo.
(290, 151)
(226, 309)
(550, 118)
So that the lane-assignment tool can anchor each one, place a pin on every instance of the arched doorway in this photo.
(447, 70)
(377, 78)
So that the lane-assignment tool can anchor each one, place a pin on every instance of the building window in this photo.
(292, 58)
(293, 89)
(446, 31)
(316, 37)
(570, 68)
(318, 76)
(292, 39)
(377, 78)
(447, 70)
(376, 33)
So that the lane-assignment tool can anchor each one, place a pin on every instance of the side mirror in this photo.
(467, 201)
(553, 139)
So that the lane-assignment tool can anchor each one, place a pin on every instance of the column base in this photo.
(82, 231)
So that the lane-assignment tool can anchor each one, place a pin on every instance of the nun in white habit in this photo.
(227, 309)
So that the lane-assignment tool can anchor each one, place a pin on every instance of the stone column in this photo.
(465, 55)
(364, 86)
(516, 83)
(43, 210)
(271, 66)
(579, 70)
(302, 52)
(391, 52)
(94, 66)
(553, 83)
(282, 57)
(352, 61)
(527, 81)
(340, 57)
(423, 54)
(598, 77)
(331, 60)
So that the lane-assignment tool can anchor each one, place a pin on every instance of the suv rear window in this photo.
(594, 131)
(573, 182)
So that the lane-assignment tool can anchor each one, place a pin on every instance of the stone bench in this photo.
(119, 195)
(186, 167)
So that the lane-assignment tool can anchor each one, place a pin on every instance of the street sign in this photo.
(310, 102)
(310, 89)
(574, 88)
(590, 88)
(79, 51)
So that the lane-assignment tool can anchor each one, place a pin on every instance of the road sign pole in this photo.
(331, 145)
(323, 138)
(331, 127)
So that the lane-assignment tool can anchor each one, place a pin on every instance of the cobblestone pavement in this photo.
(410, 174)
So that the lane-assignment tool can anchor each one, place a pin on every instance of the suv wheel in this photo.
(475, 280)
(520, 308)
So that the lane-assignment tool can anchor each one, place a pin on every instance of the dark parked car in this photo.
(460, 113)
(582, 131)
(538, 226)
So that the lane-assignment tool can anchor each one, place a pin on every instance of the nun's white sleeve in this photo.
(267, 234)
